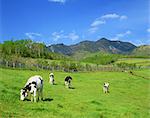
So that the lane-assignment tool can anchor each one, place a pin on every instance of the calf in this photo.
(51, 78)
(106, 87)
(33, 86)
(68, 80)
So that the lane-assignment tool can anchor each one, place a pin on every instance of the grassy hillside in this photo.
(101, 58)
(137, 61)
(128, 97)
(142, 51)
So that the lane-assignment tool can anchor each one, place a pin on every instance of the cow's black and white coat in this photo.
(106, 87)
(51, 78)
(68, 80)
(33, 86)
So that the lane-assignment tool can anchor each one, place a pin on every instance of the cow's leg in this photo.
(34, 95)
(39, 95)
(41, 92)
(67, 85)
(107, 90)
(31, 97)
(53, 81)
(104, 89)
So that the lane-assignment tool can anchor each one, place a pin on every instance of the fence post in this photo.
(6, 63)
(13, 64)
(19, 65)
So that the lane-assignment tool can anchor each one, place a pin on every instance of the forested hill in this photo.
(28, 48)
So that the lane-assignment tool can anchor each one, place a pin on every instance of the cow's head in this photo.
(51, 75)
(106, 84)
(23, 94)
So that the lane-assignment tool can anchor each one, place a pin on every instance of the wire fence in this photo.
(66, 67)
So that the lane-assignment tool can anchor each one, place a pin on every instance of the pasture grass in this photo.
(128, 97)
(137, 61)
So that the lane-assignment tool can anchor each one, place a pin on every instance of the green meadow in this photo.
(137, 61)
(128, 97)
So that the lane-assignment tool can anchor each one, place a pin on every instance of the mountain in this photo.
(102, 45)
(60, 48)
(143, 50)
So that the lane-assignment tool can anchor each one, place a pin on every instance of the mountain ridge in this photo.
(102, 45)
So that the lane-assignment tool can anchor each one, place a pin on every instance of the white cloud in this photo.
(123, 17)
(114, 16)
(97, 23)
(60, 35)
(56, 36)
(73, 36)
(32, 35)
(93, 29)
(121, 35)
(110, 16)
(148, 30)
(57, 1)
(103, 20)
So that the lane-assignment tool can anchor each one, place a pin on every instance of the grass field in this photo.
(128, 97)
(137, 61)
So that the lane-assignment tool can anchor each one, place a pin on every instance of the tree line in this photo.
(27, 48)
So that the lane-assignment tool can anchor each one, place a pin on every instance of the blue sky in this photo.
(72, 21)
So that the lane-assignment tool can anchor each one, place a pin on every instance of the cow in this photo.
(68, 80)
(51, 78)
(106, 87)
(131, 72)
(33, 86)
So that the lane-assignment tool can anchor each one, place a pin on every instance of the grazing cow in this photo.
(68, 80)
(51, 78)
(131, 72)
(106, 87)
(33, 86)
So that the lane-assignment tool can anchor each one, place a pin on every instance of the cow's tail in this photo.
(41, 80)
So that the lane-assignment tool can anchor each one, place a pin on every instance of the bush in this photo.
(126, 65)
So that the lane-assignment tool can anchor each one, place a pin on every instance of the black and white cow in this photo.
(51, 78)
(33, 86)
(68, 80)
(106, 87)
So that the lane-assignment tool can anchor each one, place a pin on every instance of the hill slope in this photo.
(143, 50)
(102, 45)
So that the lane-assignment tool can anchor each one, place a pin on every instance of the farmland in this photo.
(137, 61)
(128, 97)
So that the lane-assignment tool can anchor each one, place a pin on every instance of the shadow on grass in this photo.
(39, 109)
(26, 99)
(71, 88)
(95, 102)
(53, 84)
(47, 99)
(59, 106)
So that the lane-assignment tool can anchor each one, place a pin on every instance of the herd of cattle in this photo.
(34, 87)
